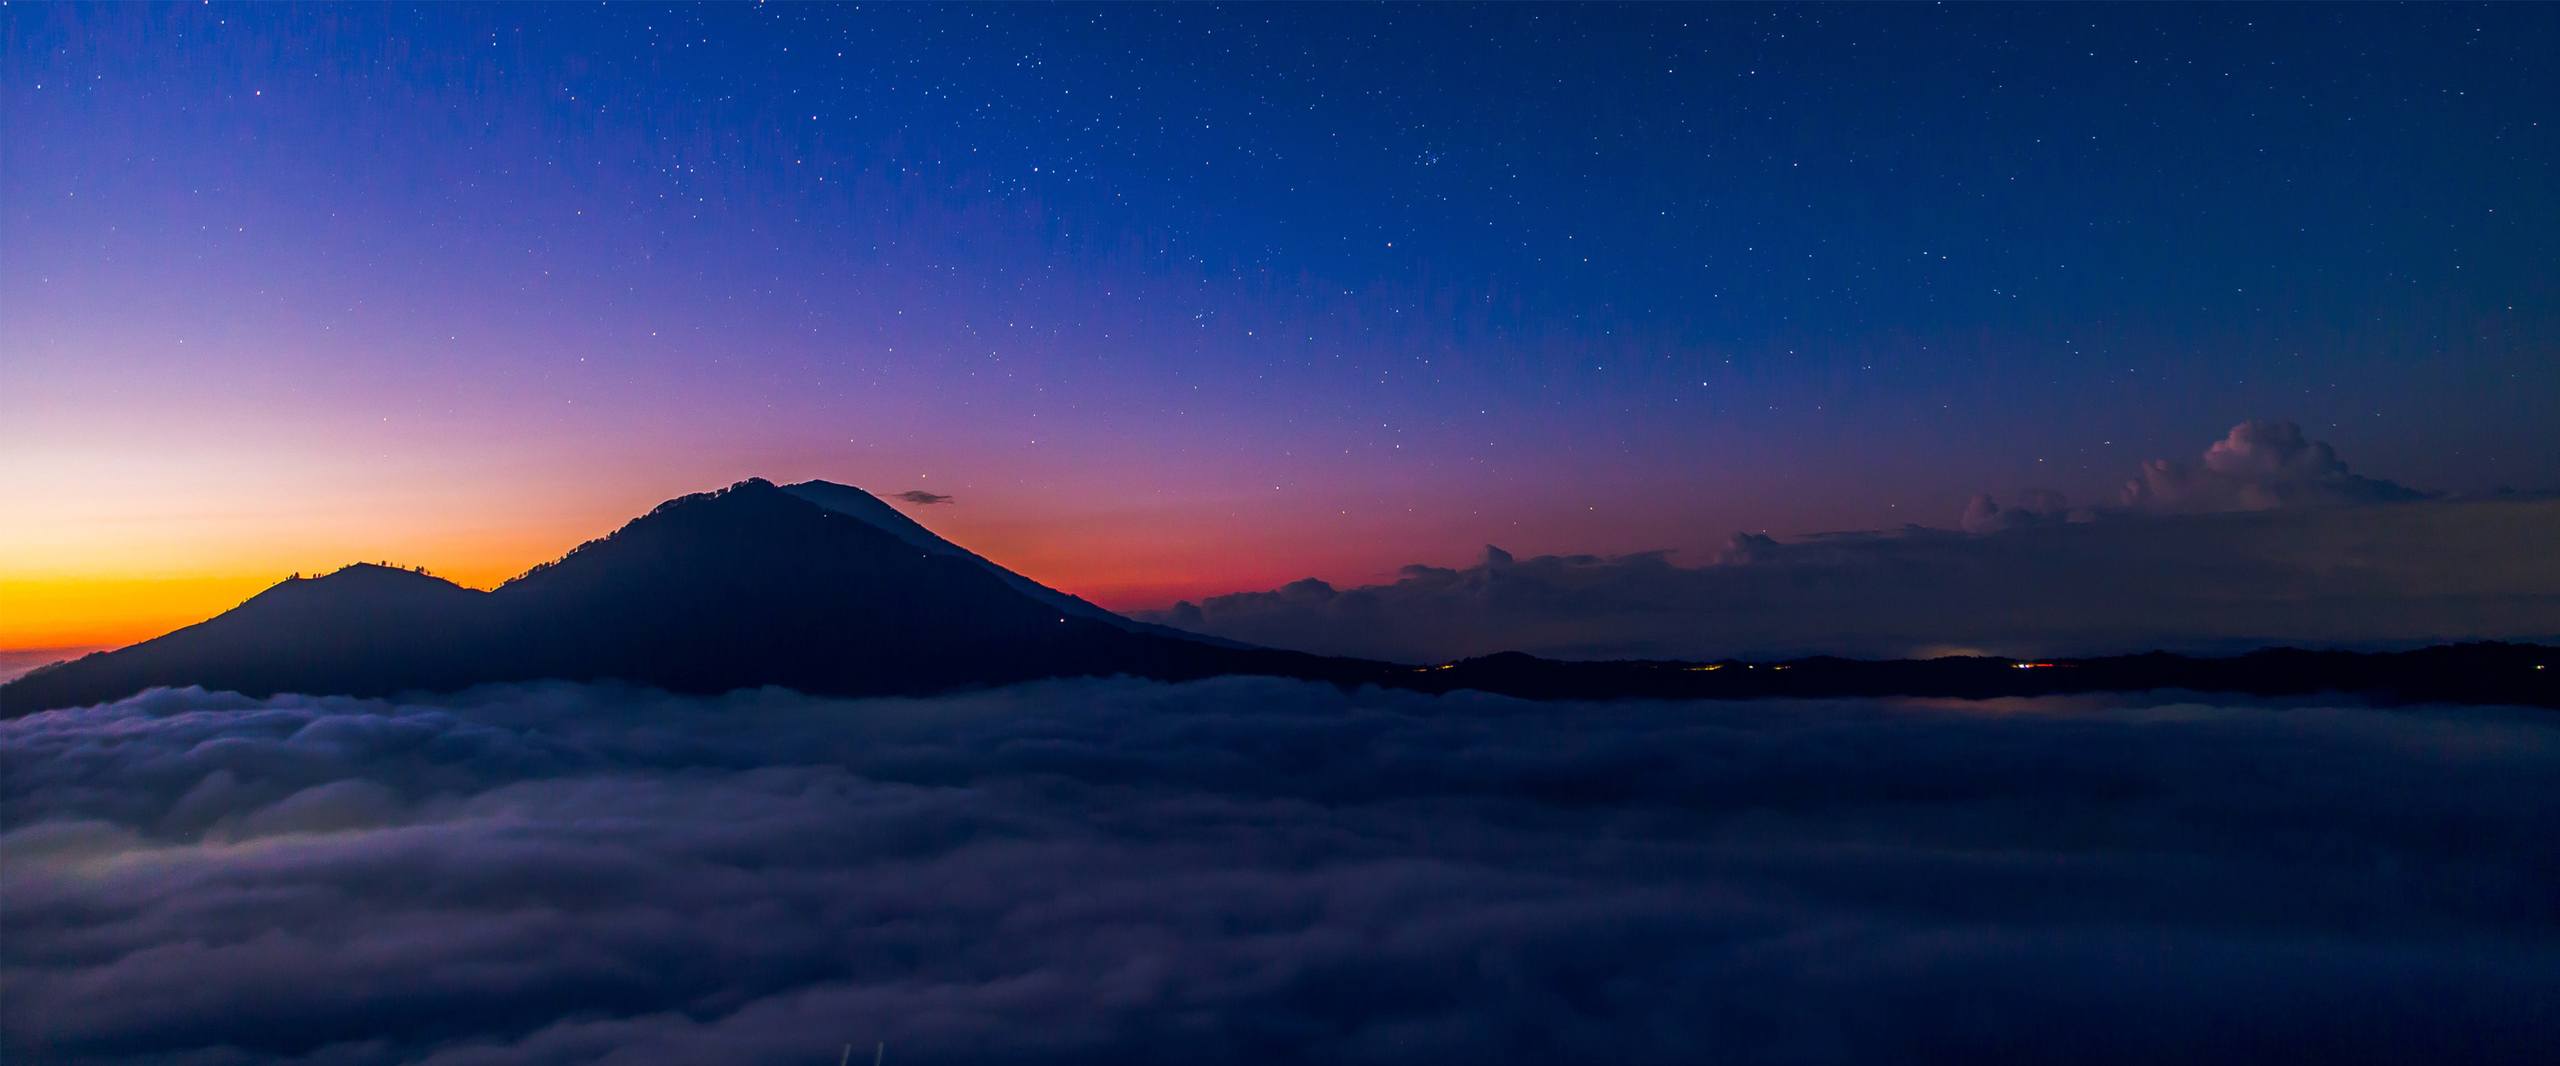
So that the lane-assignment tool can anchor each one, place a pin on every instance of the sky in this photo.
(1176, 302)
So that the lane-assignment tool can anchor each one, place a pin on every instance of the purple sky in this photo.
(1175, 302)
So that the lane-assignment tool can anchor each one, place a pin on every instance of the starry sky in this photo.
(1178, 301)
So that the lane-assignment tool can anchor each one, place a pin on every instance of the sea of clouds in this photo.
(1249, 870)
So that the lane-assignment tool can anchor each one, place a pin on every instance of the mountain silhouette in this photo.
(363, 629)
(825, 589)
(820, 588)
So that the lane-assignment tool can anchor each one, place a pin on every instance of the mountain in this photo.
(365, 629)
(751, 585)
(822, 588)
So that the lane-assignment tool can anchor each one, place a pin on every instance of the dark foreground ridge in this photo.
(824, 589)
(2452, 673)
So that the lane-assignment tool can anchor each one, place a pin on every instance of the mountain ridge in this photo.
(758, 585)
(743, 586)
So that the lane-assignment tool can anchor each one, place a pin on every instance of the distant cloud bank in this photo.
(2269, 538)
(1255, 871)
(16, 662)
(921, 496)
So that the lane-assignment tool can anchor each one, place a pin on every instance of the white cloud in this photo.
(2257, 466)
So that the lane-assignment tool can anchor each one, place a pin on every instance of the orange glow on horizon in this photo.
(112, 610)
(85, 593)
(110, 541)
(106, 611)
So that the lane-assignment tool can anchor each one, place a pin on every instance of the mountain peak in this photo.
(356, 583)
(853, 502)
(354, 573)
(747, 489)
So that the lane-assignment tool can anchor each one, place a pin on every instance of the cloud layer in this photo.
(1259, 871)
(2268, 539)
